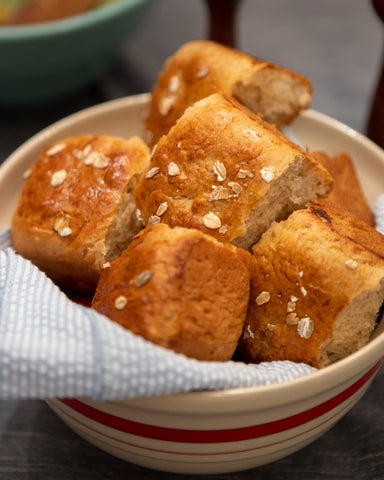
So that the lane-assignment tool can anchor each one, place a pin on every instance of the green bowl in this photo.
(45, 61)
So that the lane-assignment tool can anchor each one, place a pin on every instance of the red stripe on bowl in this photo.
(124, 444)
(217, 436)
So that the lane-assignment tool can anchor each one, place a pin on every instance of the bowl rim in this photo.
(339, 374)
(101, 14)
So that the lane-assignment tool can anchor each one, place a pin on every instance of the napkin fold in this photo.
(378, 213)
(52, 347)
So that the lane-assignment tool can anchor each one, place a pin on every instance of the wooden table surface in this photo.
(338, 45)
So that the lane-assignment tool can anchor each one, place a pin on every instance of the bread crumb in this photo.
(263, 298)
(87, 149)
(292, 319)
(351, 264)
(143, 278)
(236, 187)
(268, 174)
(174, 84)
(245, 174)
(268, 331)
(211, 221)
(27, 174)
(303, 291)
(247, 332)
(121, 302)
(202, 72)
(223, 229)
(153, 151)
(152, 172)
(88, 160)
(305, 327)
(153, 220)
(59, 147)
(165, 104)
(139, 215)
(101, 161)
(173, 169)
(162, 209)
(97, 160)
(78, 154)
(220, 171)
(61, 224)
(219, 193)
(291, 306)
(81, 155)
(58, 178)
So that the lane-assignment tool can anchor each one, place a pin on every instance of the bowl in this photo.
(207, 432)
(45, 61)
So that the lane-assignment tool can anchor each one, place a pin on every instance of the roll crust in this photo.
(223, 170)
(347, 191)
(180, 289)
(76, 210)
(202, 67)
(221, 176)
(316, 288)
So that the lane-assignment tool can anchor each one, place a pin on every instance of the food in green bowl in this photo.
(16, 12)
(47, 60)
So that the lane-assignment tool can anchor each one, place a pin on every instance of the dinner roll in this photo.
(223, 170)
(347, 191)
(316, 288)
(202, 67)
(76, 208)
(180, 289)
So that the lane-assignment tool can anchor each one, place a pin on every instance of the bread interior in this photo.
(353, 326)
(298, 184)
(277, 95)
(125, 224)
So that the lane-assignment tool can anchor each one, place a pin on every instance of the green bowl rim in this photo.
(70, 24)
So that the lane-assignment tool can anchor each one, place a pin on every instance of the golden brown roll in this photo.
(347, 191)
(180, 289)
(76, 209)
(223, 170)
(202, 67)
(316, 288)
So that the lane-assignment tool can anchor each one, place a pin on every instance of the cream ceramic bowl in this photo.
(222, 431)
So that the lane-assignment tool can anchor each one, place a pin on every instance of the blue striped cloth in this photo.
(378, 212)
(52, 347)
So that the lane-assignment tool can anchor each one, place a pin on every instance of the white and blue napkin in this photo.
(52, 347)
